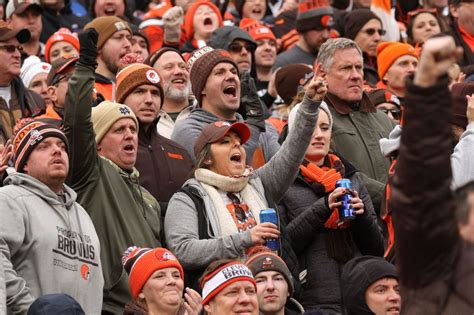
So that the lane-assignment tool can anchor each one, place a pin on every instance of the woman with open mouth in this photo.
(216, 214)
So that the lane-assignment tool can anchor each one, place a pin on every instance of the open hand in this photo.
(6, 153)
(192, 302)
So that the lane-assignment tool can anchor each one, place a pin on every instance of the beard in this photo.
(176, 94)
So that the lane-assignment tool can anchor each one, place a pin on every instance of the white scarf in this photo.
(210, 181)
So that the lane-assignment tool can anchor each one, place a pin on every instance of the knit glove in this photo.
(250, 101)
(88, 43)
(173, 18)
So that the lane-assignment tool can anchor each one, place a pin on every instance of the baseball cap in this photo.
(20, 6)
(6, 32)
(218, 130)
(59, 67)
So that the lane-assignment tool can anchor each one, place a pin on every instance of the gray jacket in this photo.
(181, 221)
(186, 132)
(48, 244)
(3, 292)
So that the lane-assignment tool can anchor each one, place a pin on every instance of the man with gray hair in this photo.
(358, 125)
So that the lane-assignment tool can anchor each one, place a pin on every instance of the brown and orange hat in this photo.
(200, 65)
(269, 261)
(379, 96)
(218, 130)
(107, 26)
(28, 134)
(256, 29)
(60, 67)
(20, 6)
(289, 78)
(389, 52)
(459, 92)
(314, 15)
(141, 263)
(134, 75)
(189, 17)
(6, 33)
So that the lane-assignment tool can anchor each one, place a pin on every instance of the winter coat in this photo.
(307, 212)
(48, 244)
(182, 229)
(436, 270)
(3, 292)
(123, 212)
(163, 164)
(356, 136)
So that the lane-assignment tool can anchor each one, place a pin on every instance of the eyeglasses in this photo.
(11, 48)
(371, 31)
(236, 48)
(239, 212)
(395, 112)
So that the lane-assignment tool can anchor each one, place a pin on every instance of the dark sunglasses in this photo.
(395, 112)
(412, 14)
(237, 48)
(11, 48)
(239, 212)
(371, 31)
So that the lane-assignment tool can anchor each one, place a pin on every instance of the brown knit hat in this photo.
(107, 26)
(459, 92)
(288, 78)
(200, 65)
(268, 261)
(134, 75)
(355, 21)
(314, 14)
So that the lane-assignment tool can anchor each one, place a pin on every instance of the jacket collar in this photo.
(344, 108)
(132, 175)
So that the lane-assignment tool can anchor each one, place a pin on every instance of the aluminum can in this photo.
(345, 211)
(270, 215)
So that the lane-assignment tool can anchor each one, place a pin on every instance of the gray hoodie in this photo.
(186, 132)
(48, 244)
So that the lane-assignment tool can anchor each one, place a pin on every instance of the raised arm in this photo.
(427, 239)
(77, 120)
(280, 172)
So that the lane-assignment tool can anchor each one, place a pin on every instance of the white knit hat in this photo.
(31, 68)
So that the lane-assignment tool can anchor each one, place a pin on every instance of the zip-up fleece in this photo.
(123, 212)
(48, 244)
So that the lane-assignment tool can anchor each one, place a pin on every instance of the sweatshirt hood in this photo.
(357, 275)
(41, 190)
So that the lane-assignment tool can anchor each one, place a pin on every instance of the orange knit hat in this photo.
(134, 75)
(62, 35)
(389, 52)
(256, 29)
(141, 263)
(189, 17)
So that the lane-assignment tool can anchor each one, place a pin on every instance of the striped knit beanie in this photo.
(314, 14)
(134, 75)
(28, 134)
(256, 29)
(141, 263)
(200, 66)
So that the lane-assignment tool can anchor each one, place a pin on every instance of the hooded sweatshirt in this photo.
(186, 132)
(48, 244)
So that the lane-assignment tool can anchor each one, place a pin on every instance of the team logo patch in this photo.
(120, 26)
(327, 21)
(165, 256)
(45, 67)
(267, 262)
(221, 124)
(35, 137)
(85, 272)
(153, 76)
(124, 110)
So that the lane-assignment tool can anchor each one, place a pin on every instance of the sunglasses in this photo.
(11, 48)
(239, 212)
(414, 13)
(371, 31)
(236, 48)
(395, 112)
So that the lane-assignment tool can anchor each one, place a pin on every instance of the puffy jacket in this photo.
(435, 265)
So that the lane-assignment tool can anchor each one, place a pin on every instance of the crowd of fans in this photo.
(140, 141)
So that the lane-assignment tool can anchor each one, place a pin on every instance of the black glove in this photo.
(250, 102)
(88, 43)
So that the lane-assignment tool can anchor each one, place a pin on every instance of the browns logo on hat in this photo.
(60, 68)
(62, 35)
(256, 29)
(32, 66)
(389, 52)
(134, 75)
(314, 15)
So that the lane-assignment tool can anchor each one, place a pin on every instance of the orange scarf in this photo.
(327, 177)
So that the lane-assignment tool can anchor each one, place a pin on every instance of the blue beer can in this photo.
(270, 215)
(345, 211)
